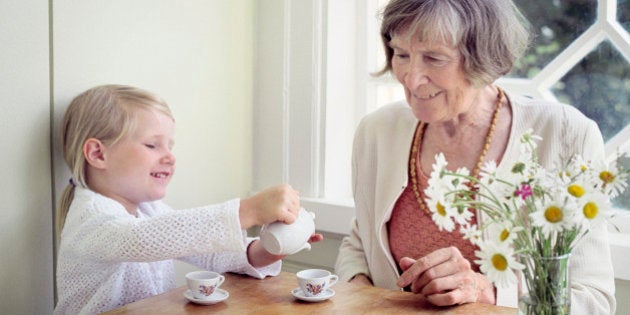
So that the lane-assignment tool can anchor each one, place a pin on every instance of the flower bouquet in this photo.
(534, 216)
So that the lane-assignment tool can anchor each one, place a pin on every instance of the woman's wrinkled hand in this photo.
(445, 277)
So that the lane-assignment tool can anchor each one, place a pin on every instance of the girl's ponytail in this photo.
(62, 210)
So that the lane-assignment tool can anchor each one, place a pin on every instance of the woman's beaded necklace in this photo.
(416, 146)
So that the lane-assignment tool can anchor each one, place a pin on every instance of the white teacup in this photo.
(286, 239)
(314, 282)
(203, 283)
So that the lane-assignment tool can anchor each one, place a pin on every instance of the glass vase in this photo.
(545, 287)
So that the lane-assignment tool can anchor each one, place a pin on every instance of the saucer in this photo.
(298, 294)
(219, 295)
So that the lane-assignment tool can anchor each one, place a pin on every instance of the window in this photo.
(314, 60)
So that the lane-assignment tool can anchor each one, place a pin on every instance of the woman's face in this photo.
(432, 74)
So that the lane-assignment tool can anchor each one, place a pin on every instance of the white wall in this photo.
(197, 54)
(25, 195)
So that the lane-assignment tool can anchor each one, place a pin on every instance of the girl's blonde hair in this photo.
(106, 113)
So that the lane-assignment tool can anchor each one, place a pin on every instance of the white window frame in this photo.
(292, 91)
(289, 107)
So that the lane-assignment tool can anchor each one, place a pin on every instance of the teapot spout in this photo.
(306, 246)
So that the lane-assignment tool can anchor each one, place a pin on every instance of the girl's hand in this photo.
(316, 237)
(259, 257)
(445, 277)
(278, 203)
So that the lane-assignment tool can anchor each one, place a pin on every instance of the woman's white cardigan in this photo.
(379, 165)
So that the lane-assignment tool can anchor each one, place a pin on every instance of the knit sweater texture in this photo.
(108, 258)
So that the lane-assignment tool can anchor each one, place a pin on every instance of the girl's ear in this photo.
(93, 150)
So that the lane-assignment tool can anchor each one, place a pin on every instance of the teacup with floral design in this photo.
(203, 284)
(315, 282)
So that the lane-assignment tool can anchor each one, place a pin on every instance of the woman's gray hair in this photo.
(490, 34)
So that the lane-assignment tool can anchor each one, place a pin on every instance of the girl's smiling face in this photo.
(433, 78)
(139, 167)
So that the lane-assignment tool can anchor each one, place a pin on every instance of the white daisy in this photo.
(553, 215)
(471, 233)
(442, 212)
(441, 181)
(612, 181)
(488, 171)
(459, 181)
(439, 191)
(500, 185)
(439, 166)
(528, 140)
(503, 232)
(593, 206)
(462, 215)
(578, 165)
(498, 263)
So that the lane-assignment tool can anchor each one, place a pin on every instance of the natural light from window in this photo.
(580, 56)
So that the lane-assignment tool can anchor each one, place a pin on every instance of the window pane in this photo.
(623, 13)
(623, 201)
(555, 24)
(599, 86)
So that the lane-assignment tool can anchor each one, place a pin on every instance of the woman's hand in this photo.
(445, 277)
(278, 203)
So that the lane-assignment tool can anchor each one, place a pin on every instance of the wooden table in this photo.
(272, 295)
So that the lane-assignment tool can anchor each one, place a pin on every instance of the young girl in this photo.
(118, 238)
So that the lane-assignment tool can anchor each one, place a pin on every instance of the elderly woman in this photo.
(447, 54)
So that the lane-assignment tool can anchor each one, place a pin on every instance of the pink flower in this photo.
(525, 191)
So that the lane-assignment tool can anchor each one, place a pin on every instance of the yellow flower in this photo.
(590, 210)
(594, 205)
(499, 262)
(607, 177)
(576, 190)
(440, 209)
(504, 235)
(553, 214)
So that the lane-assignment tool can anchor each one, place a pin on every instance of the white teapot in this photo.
(286, 239)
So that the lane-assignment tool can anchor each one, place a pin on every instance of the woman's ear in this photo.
(93, 150)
